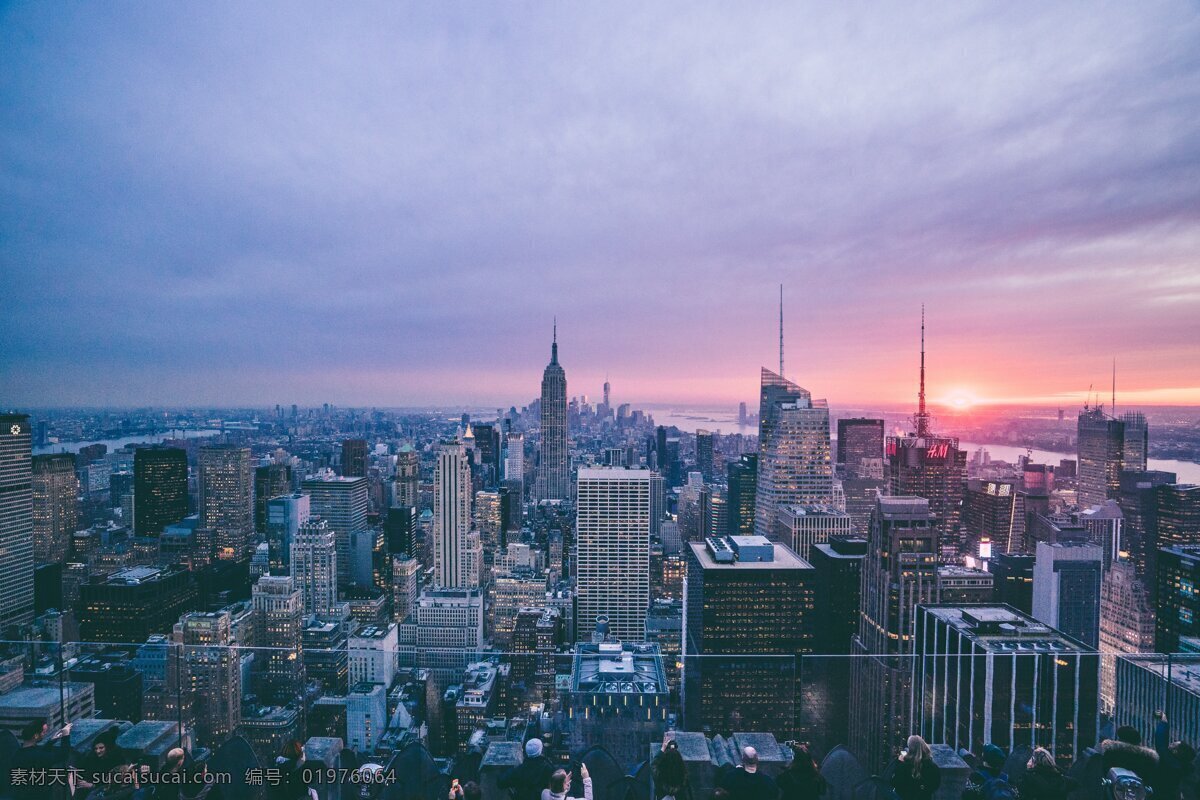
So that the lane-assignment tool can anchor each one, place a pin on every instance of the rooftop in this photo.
(784, 558)
(618, 668)
(1002, 628)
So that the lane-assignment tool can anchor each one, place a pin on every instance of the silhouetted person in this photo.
(916, 776)
(746, 782)
(802, 779)
(989, 781)
(1043, 780)
(526, 781)
(1126, 752)
(670, 773)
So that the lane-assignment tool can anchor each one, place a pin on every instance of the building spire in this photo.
(1114, 389)
(554, 343)
(781, 330)
(922, 415)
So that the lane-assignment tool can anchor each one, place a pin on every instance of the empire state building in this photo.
(553, 468)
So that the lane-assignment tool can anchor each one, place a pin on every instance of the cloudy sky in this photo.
(233, 203)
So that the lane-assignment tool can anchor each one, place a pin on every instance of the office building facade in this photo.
(612, 549)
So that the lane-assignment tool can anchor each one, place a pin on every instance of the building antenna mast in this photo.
(1114, 389)
(922, 416)
(781, 330)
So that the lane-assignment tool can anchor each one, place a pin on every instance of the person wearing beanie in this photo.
(527, 780)
(989, 780)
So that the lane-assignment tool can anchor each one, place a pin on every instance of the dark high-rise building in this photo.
(704, 454)
(1139, 507)
(487, 445)
(990, 523)
(400, 528)
(1176, 517)
(858, 438)
(1067, 579)
(899, 572)
(925, 465)
(16, 521)
(130, 604)
(1107, 446)
(837, 567)
(1029, 685)
(1178, 596)
(1013, 580)
(750, 613)
(270, 481)
(354, 458)
(160, 489)
(117, 684)
(554, 468)
(227, 500)
(55, 506)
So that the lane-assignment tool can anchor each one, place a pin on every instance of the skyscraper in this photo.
(314, 566)
(554, 467)
(487, 446)
(16, 521)
(451, 515)
(279, 607)
(1107, 447)
(1013, 573)
(612, 546)
(794, 463)
(270, 481)
(858, 438)
(899, 573)
(1178, 596)
(354, 458)
(742, 476)
(213, 675)
(704, 454)
(55, 506)
(1126, 624)
(408, 477)
(285, 515)
(1066, 588)
(160, 488)
(1176, 521)
(227, 499)
(749, 614)
(987, 673)
(342, 503)
(922, 464)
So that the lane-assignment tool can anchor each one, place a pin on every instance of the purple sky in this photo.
(208, 203)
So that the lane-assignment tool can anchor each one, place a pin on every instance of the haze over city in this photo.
(388, 206)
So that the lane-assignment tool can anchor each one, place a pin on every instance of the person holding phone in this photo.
(668, 769)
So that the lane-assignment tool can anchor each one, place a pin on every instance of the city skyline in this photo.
(182, 188)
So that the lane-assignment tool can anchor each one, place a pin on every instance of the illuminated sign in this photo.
(938, 451)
